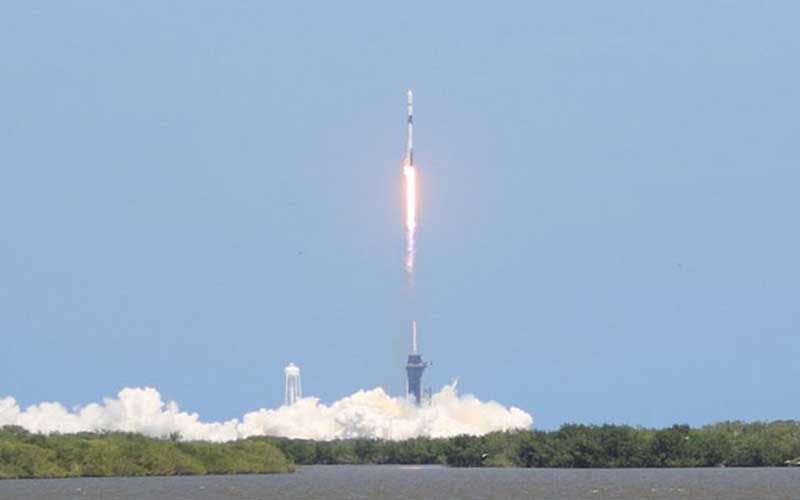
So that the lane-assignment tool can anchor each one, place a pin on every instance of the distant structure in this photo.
(294, 390)
(414, 369)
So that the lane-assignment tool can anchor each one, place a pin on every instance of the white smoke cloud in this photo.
(370, 414)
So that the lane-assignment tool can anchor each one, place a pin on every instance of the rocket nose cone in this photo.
(410, 96)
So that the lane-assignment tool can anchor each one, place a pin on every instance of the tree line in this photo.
(732, 444)
(27, 455)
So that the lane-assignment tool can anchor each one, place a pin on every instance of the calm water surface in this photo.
(399, 482)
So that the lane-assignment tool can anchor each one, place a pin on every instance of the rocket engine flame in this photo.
(410, 173)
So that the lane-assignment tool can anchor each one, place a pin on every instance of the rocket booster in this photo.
(410, 146)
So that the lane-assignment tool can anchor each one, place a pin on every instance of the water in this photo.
(406, 483)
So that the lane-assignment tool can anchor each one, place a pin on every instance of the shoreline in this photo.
(610, 470)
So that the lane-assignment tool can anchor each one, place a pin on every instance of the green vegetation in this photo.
(26, 455)
(732, 444)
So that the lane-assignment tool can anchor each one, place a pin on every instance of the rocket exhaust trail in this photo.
(411, 216)
(410, 174)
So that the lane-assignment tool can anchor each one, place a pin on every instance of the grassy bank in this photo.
(25, 455)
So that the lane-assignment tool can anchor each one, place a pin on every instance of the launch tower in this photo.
(414, 368)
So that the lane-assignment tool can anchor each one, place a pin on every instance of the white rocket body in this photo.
(410, 146)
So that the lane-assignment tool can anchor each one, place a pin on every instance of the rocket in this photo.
(410, 146)
(410, 174)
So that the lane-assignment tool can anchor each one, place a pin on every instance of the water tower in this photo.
(294, 390)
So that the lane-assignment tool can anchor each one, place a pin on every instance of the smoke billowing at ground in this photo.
(364, 414)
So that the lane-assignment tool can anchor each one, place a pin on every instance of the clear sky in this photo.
(193, 194)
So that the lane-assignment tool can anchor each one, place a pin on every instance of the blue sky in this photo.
(194, 194)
